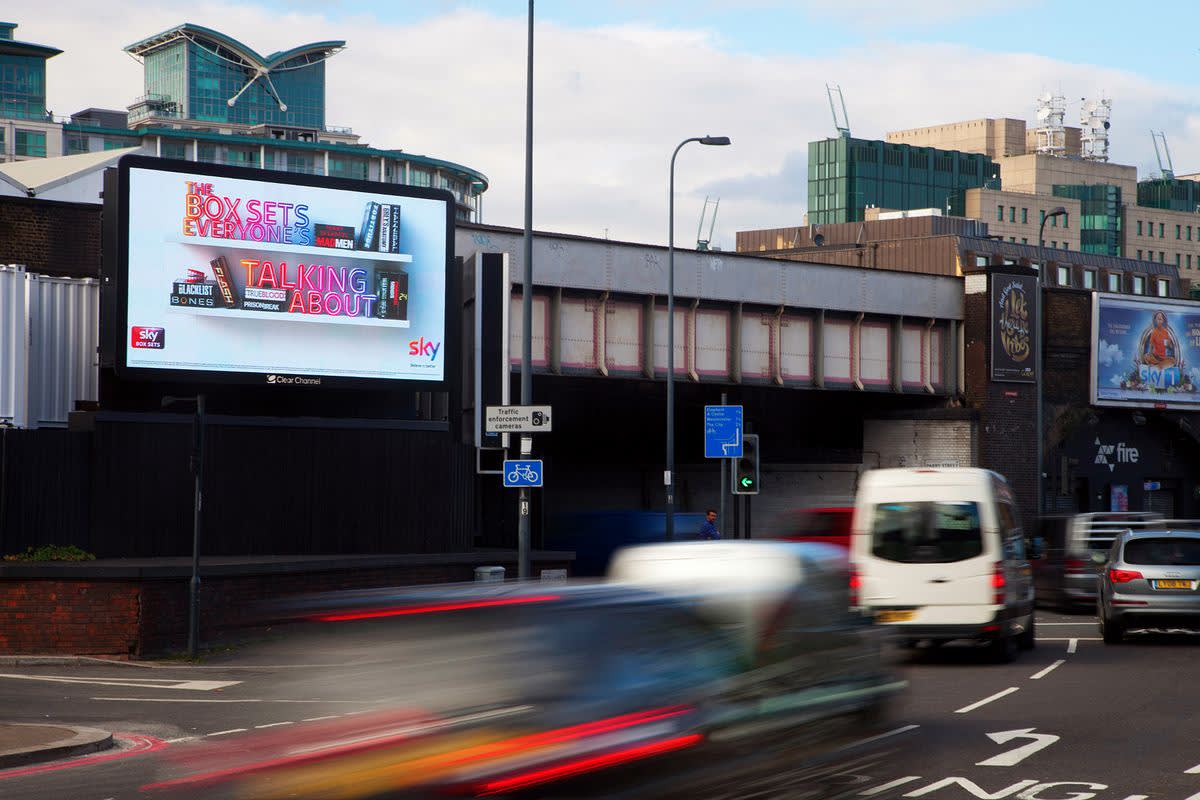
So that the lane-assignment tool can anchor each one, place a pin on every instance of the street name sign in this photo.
(517, 419)
(722, 431)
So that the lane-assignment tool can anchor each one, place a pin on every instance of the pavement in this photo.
(24, 743)
(1074, 718)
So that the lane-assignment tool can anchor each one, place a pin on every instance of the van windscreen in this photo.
(925, 532)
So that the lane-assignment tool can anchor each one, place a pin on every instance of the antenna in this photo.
(1168, 170)
(1093, 119)
(701, 242)
(843, 127)
(1051, 134)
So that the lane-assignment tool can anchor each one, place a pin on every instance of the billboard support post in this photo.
(197, 520)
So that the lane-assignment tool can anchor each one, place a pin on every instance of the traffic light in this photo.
(745, 469)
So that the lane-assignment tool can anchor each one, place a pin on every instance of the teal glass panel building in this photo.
(22, 76)
(847, 175)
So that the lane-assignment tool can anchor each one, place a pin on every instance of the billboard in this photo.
(1145, 352)
(254, 276)
(1014, 301)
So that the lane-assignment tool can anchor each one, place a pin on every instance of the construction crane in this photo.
(843, 125)
(1166, 170)
(702, 242)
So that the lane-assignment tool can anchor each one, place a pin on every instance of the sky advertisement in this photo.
(1146, 352)
(285, 282)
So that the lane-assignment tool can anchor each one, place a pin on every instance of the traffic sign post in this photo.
(745, 468)
(517, 419)
(523, 473)
(723, 431)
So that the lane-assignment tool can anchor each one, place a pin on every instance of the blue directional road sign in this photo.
(722, 431)
(518, 474)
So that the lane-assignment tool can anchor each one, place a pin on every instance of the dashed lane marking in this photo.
(273, 725)
(1037, 676)
(318, 719)
(223, 733)
(986, 700)
(1072, 645)
(137, 683)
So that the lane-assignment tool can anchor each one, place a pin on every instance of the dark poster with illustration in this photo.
(1014, 314)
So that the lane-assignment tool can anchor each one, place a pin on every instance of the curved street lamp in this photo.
(669, 475)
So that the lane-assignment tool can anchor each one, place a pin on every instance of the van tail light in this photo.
(1123, 575)
(855, 586)
(999, 584)
(1074, 566)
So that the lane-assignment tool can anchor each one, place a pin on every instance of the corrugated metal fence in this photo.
(49, 329)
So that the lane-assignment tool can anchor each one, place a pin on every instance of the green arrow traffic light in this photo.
(747, 483)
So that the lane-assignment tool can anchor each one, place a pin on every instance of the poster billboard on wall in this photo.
(1013, 317)
(1145, 352)
(233, 274)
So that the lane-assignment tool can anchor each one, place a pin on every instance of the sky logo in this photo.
(424, 347)
(152, 338)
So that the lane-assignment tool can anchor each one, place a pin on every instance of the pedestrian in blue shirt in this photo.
(708, 529)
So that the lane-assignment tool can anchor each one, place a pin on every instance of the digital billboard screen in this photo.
(233, 274)
(1145, 352)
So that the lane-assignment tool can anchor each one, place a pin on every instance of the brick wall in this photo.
(920, 442)
(1008, 441)
(50, 237)
(138, 618)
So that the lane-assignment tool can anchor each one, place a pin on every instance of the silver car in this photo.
(1149, 579)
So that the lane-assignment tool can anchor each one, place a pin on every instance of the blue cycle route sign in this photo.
(722, 431)
(522, 473)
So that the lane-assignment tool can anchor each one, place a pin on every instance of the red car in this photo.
(827, 525)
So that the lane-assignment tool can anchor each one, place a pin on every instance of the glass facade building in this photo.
(847, 175)
(1099, 217)
(22, 76)
(1169, 193)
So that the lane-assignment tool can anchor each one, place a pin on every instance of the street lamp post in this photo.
(1057, 211)
(669, 474)
(523, 501)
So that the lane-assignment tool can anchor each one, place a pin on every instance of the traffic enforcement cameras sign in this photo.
(517, 419)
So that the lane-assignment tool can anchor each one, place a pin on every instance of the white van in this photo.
(939, 554)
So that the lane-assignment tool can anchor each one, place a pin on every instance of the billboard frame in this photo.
(1093, 355)
(114, 337)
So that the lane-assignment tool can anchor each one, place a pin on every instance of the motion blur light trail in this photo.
(433, 609)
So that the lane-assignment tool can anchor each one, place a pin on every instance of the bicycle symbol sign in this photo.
(519, 474)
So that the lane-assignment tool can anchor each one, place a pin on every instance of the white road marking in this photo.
(1037, 676)
(318, 719)
(1069, 639)
(887, 735)
(180, 739)
(1017, 755)
(222, 733)
(1044, 624)
(137, 683)
(986, 700)
(1072, 645)
(274, 725)
(889, 785)
(214, 700)
(1193, 771)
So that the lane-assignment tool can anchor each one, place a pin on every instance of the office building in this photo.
(208, 97)
(26, 129)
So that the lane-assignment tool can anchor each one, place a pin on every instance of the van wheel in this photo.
(1028, 639)
(1113, 632)
(1003, 650)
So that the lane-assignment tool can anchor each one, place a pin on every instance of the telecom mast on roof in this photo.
(1094, 124)
(1051, 133)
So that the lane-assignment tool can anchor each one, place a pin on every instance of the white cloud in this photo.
(1116, 379)
(1108, 354)
(612, 102)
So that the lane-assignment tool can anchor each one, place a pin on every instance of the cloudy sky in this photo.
(618, 84)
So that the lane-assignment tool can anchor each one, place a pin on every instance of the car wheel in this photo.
(1003, 650)
(1112, 632)
(1028, 639)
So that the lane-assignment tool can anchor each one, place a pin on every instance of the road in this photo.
(1072, 720)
